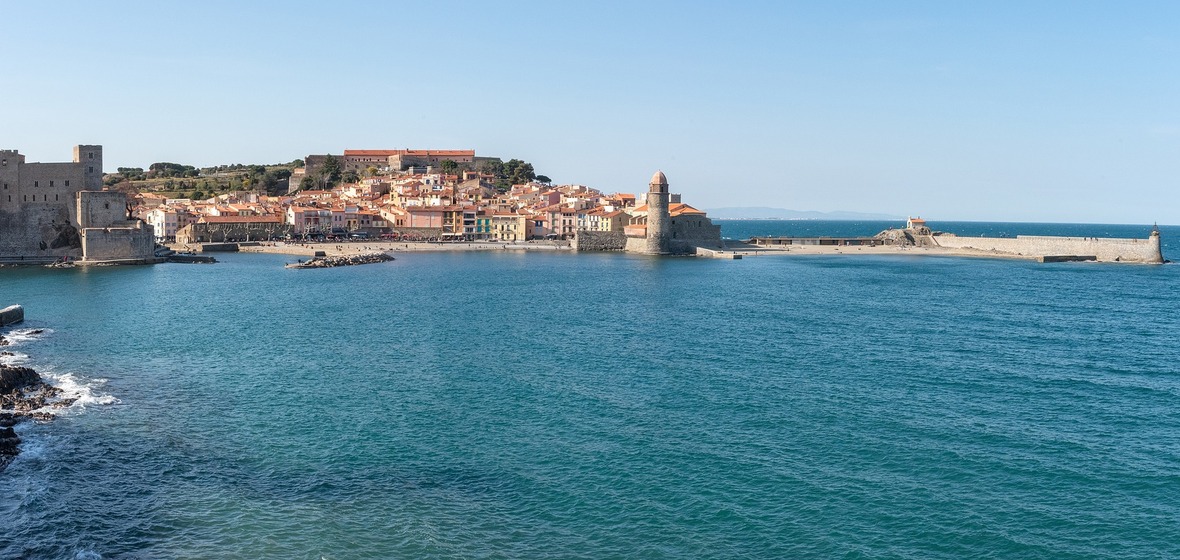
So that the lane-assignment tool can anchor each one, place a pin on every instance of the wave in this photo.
(16, 337)
(82, 392)
(10, 358)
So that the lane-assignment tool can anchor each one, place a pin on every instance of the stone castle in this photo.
(58, 211)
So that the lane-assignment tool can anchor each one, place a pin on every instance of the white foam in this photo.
(14, 358)
(16, 337)
(86, 392)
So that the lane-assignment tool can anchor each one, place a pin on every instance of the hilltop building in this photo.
(360, 160)
(55, 211)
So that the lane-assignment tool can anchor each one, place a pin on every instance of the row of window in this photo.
(44, 198)
(38, 184)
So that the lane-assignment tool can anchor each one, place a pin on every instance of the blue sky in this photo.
(1025, 111)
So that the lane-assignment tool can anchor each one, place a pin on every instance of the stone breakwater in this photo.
(1041, 246)
(343, 260)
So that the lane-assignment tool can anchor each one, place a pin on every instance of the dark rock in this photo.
(13, 378)
(350, 260)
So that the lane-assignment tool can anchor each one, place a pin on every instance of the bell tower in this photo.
(659, 220)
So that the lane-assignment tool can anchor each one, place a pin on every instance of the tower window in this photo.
(90, 169)
(67, 183)
(51, 184)
(36, 183)
(90, 155)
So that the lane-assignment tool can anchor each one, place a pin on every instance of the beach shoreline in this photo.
(350, 248)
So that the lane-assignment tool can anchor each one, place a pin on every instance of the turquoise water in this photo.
(602, 405)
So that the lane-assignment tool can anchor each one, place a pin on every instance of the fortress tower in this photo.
(90, 157)
(659, 219)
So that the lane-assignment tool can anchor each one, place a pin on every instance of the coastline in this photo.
(350, 248)
(732, 250)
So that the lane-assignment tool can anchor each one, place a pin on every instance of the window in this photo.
(51, 184)
(36, 183)
(90, 155)
(67, 182)
(90, 169)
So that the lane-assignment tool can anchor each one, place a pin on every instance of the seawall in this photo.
(1037, 246)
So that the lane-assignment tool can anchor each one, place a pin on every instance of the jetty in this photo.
(918, 239)
(342, 260)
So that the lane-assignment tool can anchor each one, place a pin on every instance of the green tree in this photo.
(518, 172)
(544, 179)
(307, 184)
(449, 166)
(330, 171)
(494, 168)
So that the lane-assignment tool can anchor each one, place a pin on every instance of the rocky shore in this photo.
(343, 260)
(23, 396)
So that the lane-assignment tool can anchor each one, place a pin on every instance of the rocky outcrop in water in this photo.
(343, 260)
(23, 395)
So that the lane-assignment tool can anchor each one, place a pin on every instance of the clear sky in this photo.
(1024, 111)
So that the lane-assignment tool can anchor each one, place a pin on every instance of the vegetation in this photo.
(508, 173)
(330, 172)
(173, 179)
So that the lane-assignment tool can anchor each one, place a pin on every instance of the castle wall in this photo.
(38, 232)
(47, 183)
(1105, 249)
(585, 240)
(697, 231)
(100, 209)
(135, 243)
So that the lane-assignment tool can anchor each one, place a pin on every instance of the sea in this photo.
(553, 405)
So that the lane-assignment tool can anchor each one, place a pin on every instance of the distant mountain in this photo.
(763, 213)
